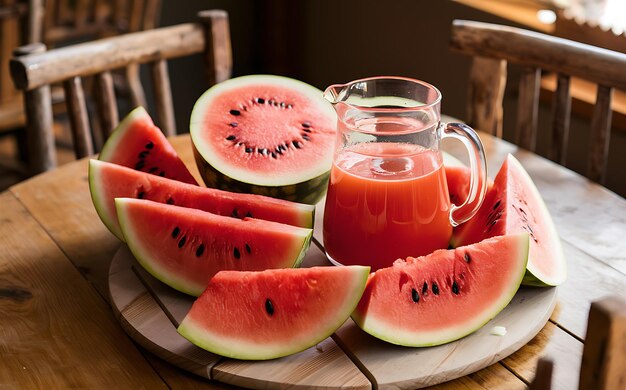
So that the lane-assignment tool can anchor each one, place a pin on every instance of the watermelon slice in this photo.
(513, 205)
(265, 315)
(443, 296)
(109, 181)
(267, 135)
(184, 247)
(137, 143)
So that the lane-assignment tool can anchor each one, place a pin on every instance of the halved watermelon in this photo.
(513, 205)
(138, 144)
(263, 134)
(443, 296)
(265, 315)
(184, 247)
(109, 181)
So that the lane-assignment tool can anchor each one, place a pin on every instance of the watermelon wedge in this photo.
(514, 205)
(184, 247)
(443, 296)
(109, 181)
(138, 144)
(264, 134)
(266, 315)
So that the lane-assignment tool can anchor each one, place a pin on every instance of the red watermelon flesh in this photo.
(185, 248)
(109, 181)
(138, 144)
(265, 315)
(441, 297)
(458, 179)
(514, 205)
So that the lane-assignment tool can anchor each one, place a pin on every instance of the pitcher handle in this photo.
(478, 167)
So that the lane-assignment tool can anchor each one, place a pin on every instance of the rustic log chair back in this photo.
(85, 20)
(33, 70)
(493, 46)
(604, 354)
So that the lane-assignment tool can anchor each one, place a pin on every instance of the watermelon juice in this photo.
(386, 201)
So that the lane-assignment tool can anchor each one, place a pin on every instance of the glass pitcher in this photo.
(387, 195)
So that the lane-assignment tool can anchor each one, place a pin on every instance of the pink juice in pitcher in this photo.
(386, 201)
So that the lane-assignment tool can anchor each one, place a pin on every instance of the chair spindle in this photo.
(217, 53)
(107, 108)
(600, 135)
(561, 109)
(486, 91)
(79, 121)
(163, 97)
(527, 108)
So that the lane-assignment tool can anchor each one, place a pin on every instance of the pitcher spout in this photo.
(335, 93)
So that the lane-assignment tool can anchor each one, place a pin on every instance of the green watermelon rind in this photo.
(394, 335)
(178, 283)
(114, 139)
(309, 187)
(99, 202)
(533, 277)
(232, 348)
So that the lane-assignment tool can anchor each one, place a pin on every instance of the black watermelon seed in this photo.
(306, 124)
(169, 200)
(306, 137)
(140, 195)
(235, 112)
(269, 307)
(435, 289)
(248, 249)
(307, 130)
(153, 169)
(273, 155)
(415, 295)
(262, 151)
(522, 210)
(282, 104)
(260, 100)
(249, 150)
(140, 165)
(200, 250)
(149, 145)
(281, 147)
(248, 215)
(182, 241)
(234, 124)
(175, 232)
(455, 288)
(143, 154)
(234, 214)
(467, 258)
(495, 206)
(162, 173)
(279, 151)
(296, 144)
(236, 253)
(230, 137)
(424, 288)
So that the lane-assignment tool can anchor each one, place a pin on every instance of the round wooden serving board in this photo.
(150, 312)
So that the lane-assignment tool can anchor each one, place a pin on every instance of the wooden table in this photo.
(57, 329)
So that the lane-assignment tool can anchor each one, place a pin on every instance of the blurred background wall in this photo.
(330, 41)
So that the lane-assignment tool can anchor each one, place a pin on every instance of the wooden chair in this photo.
(34, 69)
(495, 46)
(604, 356)
(18, 26)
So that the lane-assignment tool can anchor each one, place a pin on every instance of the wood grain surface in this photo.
(65, 235)
(52, 321)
